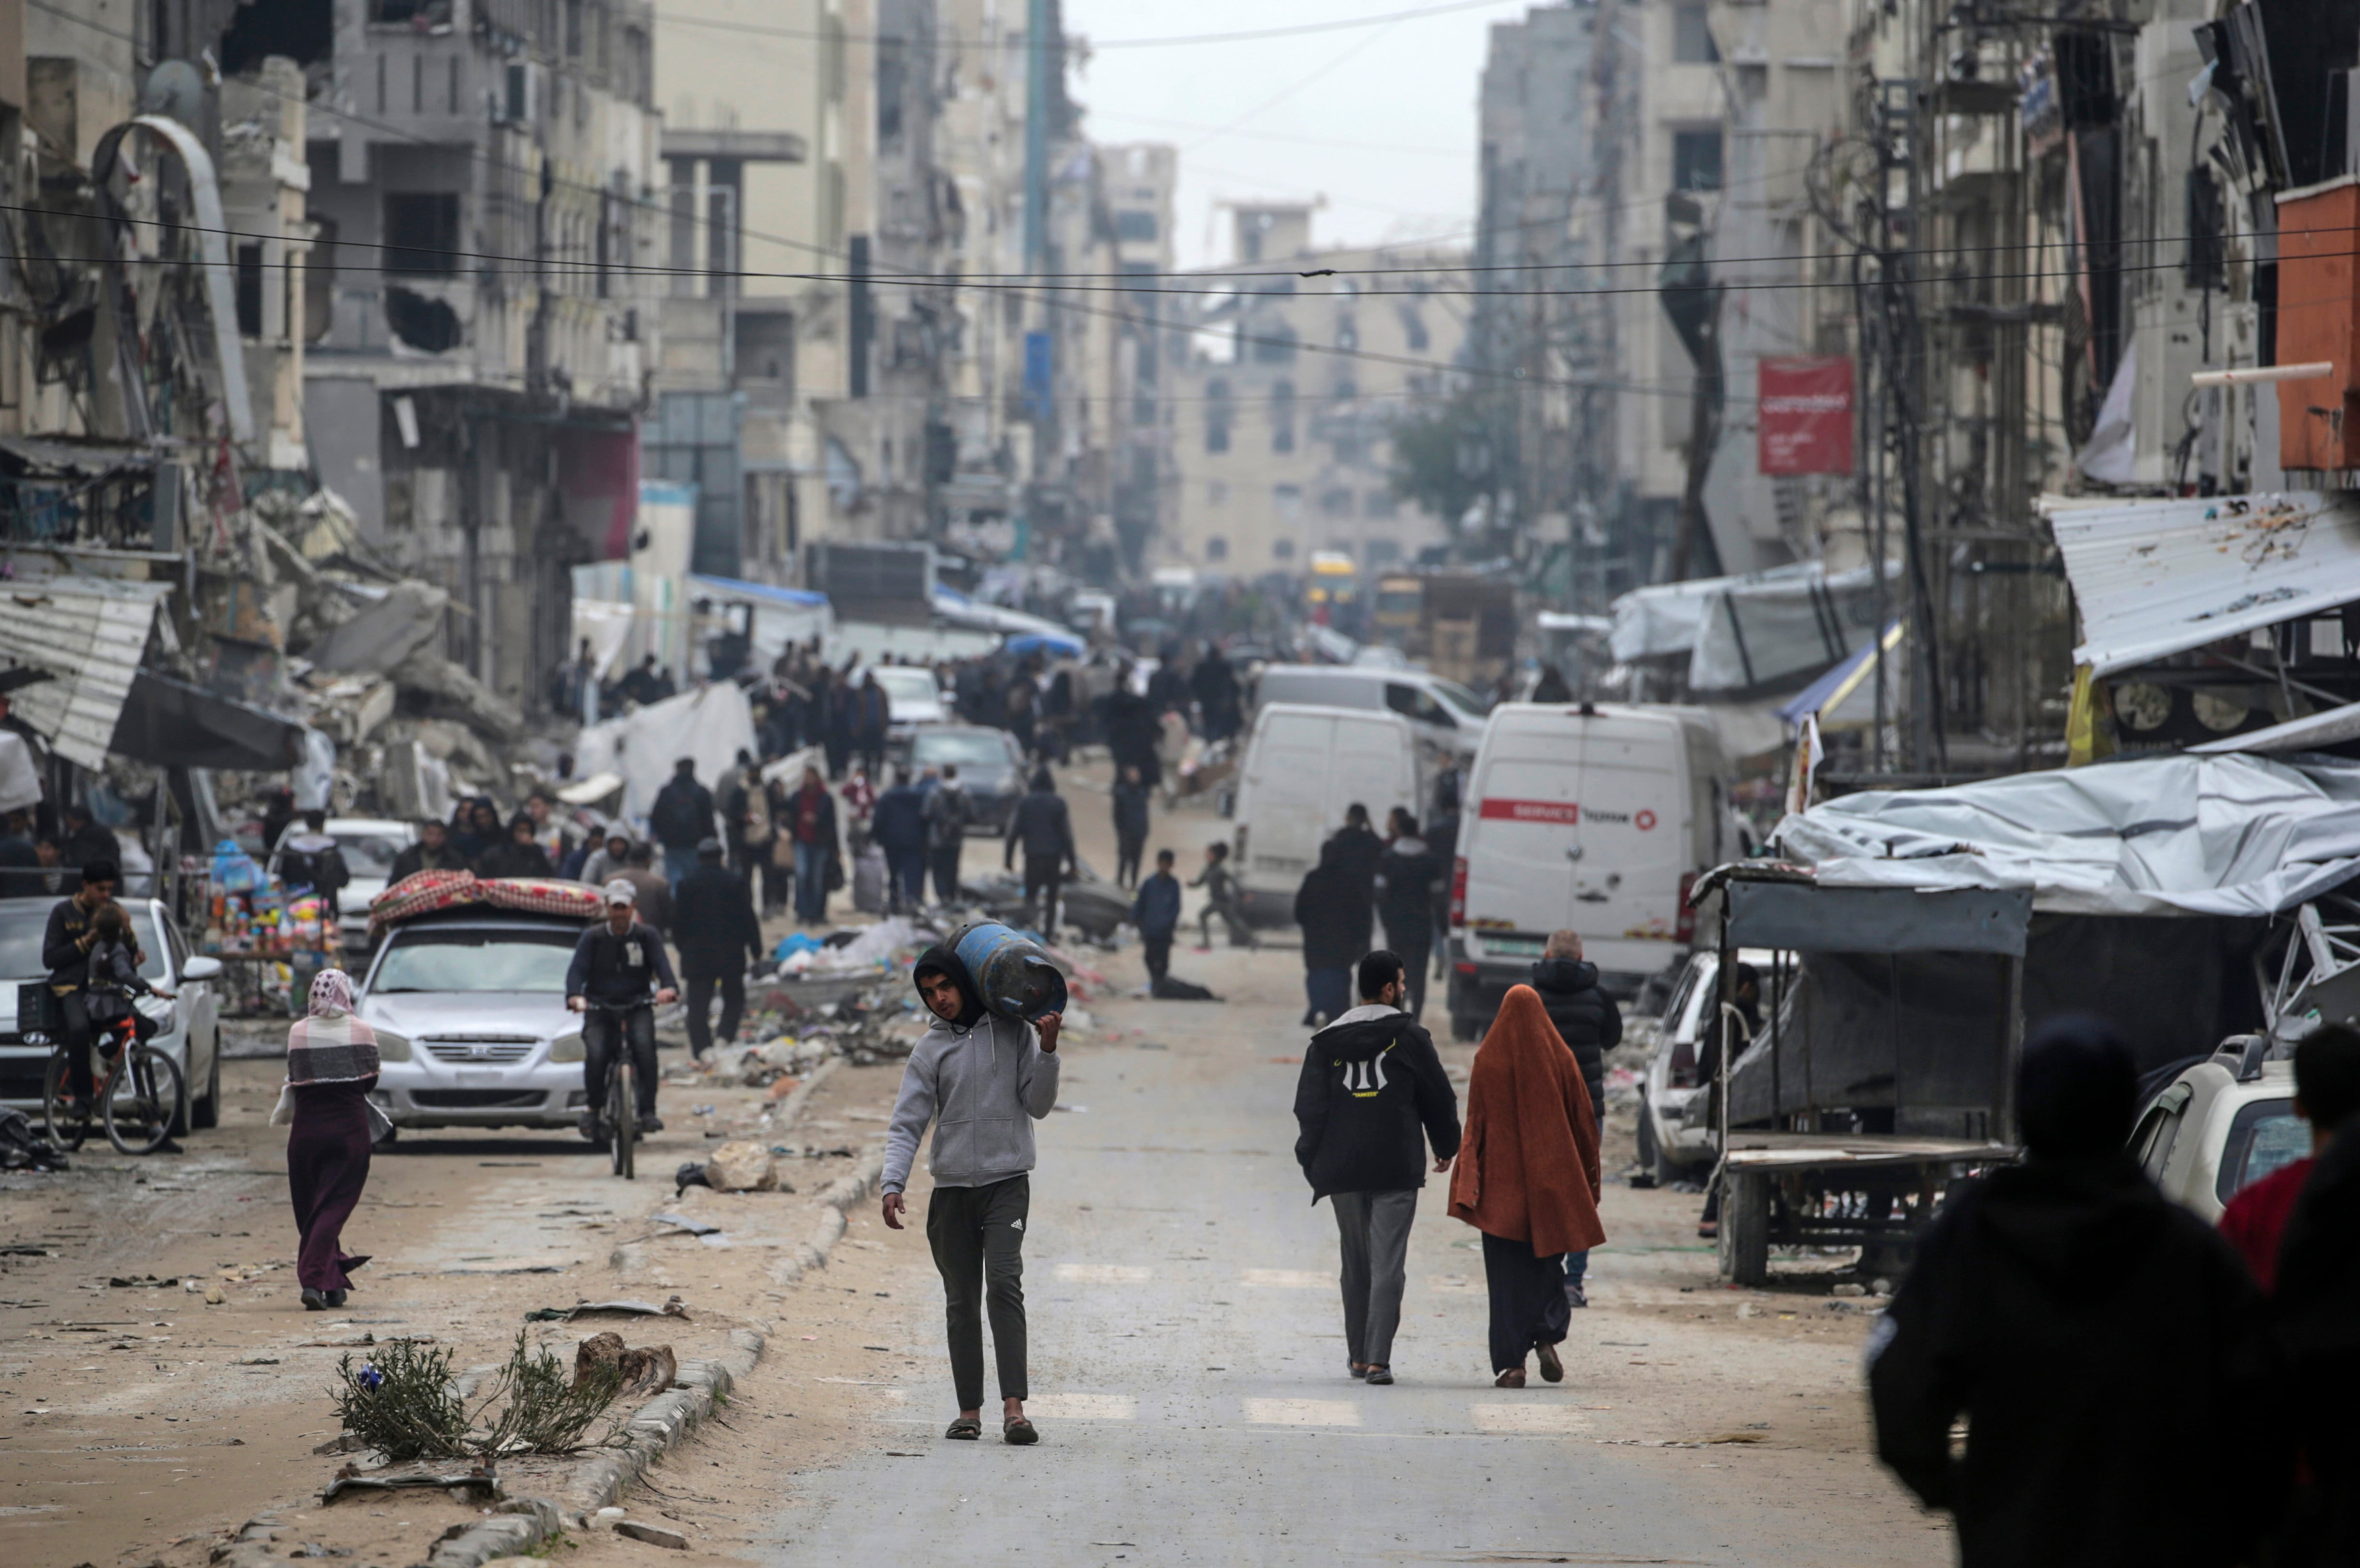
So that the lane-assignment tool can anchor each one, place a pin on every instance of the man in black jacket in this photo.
(1591, 1025)
(715, 929)
(2104, 1346)
(433, 852)
(1045, 829)
(1371, 1083)
(66, 942)
(1130, 789)
(1332, 907)
(681, 819)
(620, 964)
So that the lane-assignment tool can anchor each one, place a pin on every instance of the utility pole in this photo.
(1038, 58)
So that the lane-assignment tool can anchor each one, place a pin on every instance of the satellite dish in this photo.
(176, 90)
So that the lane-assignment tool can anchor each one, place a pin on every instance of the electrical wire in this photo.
(1076, 43)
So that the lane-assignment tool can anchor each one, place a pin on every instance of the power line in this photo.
(1072, 42)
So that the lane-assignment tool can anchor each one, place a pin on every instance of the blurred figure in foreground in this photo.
(2045, 1300)
(2317, 1294)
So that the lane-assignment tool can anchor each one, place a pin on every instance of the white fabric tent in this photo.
(710, 724)
(2162, 836)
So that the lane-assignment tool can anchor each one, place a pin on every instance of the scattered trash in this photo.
(147, 1282)
(694, 1227)
(256, 1361)
(634, 1369)
(670, 1309)
(350, 1479)
(690, 1174)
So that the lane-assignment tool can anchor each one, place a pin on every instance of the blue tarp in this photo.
(801, 598)
(1811, 698)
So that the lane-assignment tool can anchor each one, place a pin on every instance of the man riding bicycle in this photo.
(615, 964)
(65, 950)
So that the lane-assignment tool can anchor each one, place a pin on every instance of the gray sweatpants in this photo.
(1374, 1230)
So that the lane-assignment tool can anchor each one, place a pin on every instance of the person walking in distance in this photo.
(332, 1065)
(681, 819)
(1371, 1083)
(717, 933)
(945, 814)
(1591, 1025)
(898, 823)
(983, 1080)
(2044, 1299)
(810, 822)
(1405, 877)
(1527, 1179)
(1156, 913)
(1221, 899)
(66, 943)
(1332, 908)
(1044, 829)
(1131, 794)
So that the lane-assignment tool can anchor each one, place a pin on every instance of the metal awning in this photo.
(91, 633)
(174, 724)
(2307, 733)
(1804, 916)
(2156, 578)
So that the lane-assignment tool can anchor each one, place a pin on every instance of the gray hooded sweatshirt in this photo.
(983, 1086)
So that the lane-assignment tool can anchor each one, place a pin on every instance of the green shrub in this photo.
(399, 1402)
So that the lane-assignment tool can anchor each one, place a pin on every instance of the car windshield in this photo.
(370, 853)
(1460, 698)
(983, 748)
(21, 926)
(908, 686)
(476, 960)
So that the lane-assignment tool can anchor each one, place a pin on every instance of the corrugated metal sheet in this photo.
(2156, 578)
(90, 632)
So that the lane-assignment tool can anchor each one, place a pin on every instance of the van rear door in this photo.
(1521, 864)
(1286, 794)
(1636, 811)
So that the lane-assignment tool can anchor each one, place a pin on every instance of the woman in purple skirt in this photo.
(331, 1064)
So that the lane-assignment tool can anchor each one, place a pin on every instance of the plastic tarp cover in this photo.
(711, 725)
(20, 781)
(2201, 835)
(1763, 633)
(1650, 622)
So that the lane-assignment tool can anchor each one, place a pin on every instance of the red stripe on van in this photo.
(1567, 811)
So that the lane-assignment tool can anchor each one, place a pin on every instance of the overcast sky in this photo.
(1379, 120)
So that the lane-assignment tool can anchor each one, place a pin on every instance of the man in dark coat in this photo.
(898, 823)
(2104, 1346)
(1361, 847)
(85, 840)
(715, 929)
(1130, 789)
(1216, 686)
(433, 852)
(1405, 877)
(1043, 828)
(1371, 1083)
(1591, 1025)
(516, 854)
(871, 717)
(1133, 726)
(1332, 907)
(681, 819)
(2317, 1293)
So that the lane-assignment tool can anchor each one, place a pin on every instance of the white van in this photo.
(1444, 712)
(1595, 818)
(1303, 765)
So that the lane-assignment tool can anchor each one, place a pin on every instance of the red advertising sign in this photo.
(1806, 415)
(1565, 811)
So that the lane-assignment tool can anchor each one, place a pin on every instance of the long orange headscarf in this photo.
(1528, 1164)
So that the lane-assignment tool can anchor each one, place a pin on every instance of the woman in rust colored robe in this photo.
(1528, 1178)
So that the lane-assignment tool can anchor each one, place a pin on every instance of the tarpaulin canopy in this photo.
(2159, 577)
(1845, 697)
(710, 725)
(950, 604)
(2164, 836)
(782, 616)
(90, 632)
(1751, 631)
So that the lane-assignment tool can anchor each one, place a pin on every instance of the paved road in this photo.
(1188, 1375)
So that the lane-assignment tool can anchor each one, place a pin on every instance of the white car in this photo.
(469, 1008)
(1676, 1141)
(370, 845)
(911, 699)
(186, 1010)
(2221, 1126)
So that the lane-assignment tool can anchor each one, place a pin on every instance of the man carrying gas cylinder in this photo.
(983, 1079)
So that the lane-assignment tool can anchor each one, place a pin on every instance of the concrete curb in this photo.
(521, 1523)
(835, 1198)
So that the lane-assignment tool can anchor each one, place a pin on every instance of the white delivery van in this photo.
(1443, 711)
(1304, 765)
(1591, 817)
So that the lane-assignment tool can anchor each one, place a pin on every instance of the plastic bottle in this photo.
(1011, 972)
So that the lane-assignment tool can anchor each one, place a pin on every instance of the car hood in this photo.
(415, 1014)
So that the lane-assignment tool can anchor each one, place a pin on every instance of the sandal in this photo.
(1018, 1432)
(1514, 1377)
(966, 1428)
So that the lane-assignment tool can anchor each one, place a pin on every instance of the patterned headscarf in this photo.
(330, 1046)
(332, 993)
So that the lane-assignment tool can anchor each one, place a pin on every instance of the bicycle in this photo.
(138, 1100)
(622, 1091)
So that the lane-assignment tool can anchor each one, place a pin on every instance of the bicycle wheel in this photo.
(66, 1129)
(147, 1099)
(622, 1118)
